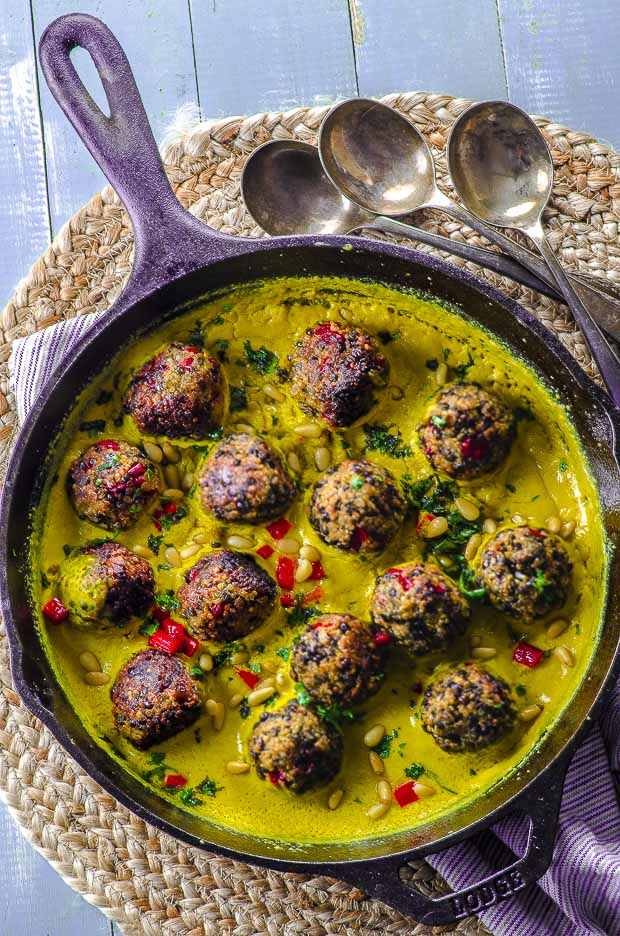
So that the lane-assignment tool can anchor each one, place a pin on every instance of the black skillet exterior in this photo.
(178, 259)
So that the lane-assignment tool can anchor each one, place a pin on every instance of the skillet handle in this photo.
(169, 241)
(541, 805)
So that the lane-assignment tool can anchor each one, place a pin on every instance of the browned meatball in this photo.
(526, 572)
(225, 596)
(338, 661)
(111, 483)
(420, 607)
(469, 431)
(105, 583)
(153, 698)
(467, 710)
(179, 392)
(356, 506)
(244, 480)
(335, 370)
(295, 748)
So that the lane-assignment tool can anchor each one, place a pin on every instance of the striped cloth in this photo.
(580, 894)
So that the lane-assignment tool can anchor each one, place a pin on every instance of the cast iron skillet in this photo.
(178, 259)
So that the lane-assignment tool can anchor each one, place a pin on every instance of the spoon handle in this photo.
(603, 352)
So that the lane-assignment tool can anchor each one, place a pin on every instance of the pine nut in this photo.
(273, 393)
(475, 640)
(308, 431)
(289, 546)
(436, 527)
(141, 550)
(245, 427)
(171, 474)
(553, 524)
(241, 656)
(96, 679)
(260, 695)
(466, 508)
(154, 452)
(188, 480)
(170, 453)
(322, 458)
(309, 552)
(267, 683)
(89, 662)
(173, 493)
(556, 628)
(237, 767)
(423, 789)
(281, 679)
(239, 542)
(219, 716)
(441, 375)
(270, 666)
(472, 546)
(335, 799)
(235, 700)
(568, 529)
(489, 525)
(378, 810)
(206, 662)
(188, 551)
(211, 706)
(484, 653)
(517, 518)
(303, 570)
(384, 791)
(376, 764)
(530, 713)
(346, 314)
(374, 735)
(293, 461)
(565, 655)
(200, 538)
(172, 557)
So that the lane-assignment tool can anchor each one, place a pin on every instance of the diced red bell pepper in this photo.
(276, 777)
(359, 538)
(55, 610)
(314, 595)
(109, 444)
(537, 533)
(279, 528)
(265, 551)
(187, 362)
(249, 678)
(170, 508)
(405, 793)
(164, 641)
(321, 623)
(318, 572)
(474, 448)
(173, 628)
(405, 583)
(287, 601)
(328, 332)
(135, 470)
(193, 350)
(217, 609)
(191, 645)
(285, 573)
(527, 655)
(175, 780)
(381, 638)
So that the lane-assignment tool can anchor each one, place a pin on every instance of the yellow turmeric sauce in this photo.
(545, 475)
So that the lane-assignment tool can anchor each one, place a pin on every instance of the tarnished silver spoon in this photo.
(502, 167)
(379, 160)
(286, 191)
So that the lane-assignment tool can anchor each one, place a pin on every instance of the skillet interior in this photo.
(394, 267)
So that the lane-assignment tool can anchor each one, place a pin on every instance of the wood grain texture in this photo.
(446, 46)
(271, 56)
(562, 61)
(24, 220)
(157, 39)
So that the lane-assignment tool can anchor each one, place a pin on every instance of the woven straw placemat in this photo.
(145, 881)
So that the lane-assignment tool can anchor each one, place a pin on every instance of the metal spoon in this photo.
(286, 191)
(501, 165)
(380, 161)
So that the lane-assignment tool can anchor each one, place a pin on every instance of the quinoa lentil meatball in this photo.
(467, 710)
(526, 572)
(420, 607)
(334, 372)
(105, 583)
(153, 698)
(111, 483)
(356, 506)
(469, 431)
(338, 661)
(244, 480)
(225, 596)
(295, 748)
(179, 392)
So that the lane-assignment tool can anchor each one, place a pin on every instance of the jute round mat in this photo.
(145, 881)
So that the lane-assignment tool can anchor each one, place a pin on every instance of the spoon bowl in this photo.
(287, 192)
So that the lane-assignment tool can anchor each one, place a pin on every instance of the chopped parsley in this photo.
(380, 439)
(384, 747)
(197, 672)
(158, 768)
(93, 426)
(208, 787)
(467, 585)
(520, 689)
(261, 359)
(238, 399)
(104, 397)
(221, 349)
(189, 797)
(544, 586)
(303, 696)
(169, 519)
(154, 542)
(432, 364)
(244, 708)
(167, 601)
(460, 370)
(563, 466)
(357, 482)
(301, 613)
(438, 421)
(335, 714)
(149, 627)
(284, 653)
(415, 771)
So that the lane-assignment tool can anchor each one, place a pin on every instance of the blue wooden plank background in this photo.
(552, 57)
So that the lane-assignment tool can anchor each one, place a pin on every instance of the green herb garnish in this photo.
(384, 747)
(284, 653)
(238, 399)
(303, 696)
(415, 771)
(93, 426)
(154, 542)
(262, 359)
(208, 787)
(563, 466)
(149, 627)
(167, 601)
(380, 439)
(189, 797)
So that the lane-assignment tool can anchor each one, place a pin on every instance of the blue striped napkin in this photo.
(580, 894)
